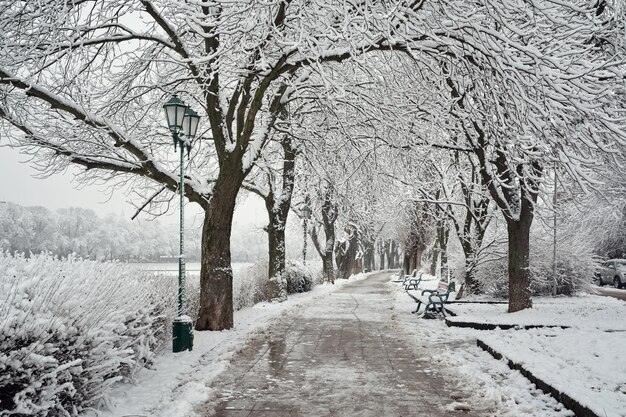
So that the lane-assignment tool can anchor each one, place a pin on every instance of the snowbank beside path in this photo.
(585, 361)
(178, 382)
(587, 365)
(580, 312)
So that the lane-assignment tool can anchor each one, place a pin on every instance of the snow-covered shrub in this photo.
(299, 278)
(575, 265)
(577, 234)
(576, 261)
(249, 285)
(494, 277)
(314, 269)
(69, 329)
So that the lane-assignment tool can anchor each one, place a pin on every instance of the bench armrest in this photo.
(443, 297)
(412, 284)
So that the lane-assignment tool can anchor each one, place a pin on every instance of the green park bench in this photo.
(412, 282)
(435, 301)
(404, 278)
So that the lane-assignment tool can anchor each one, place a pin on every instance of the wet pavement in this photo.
(338, 357)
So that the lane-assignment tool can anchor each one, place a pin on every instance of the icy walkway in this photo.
(340, 357)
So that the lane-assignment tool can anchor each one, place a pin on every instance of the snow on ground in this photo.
(490, 387)
(587, 365)
(178, 382)
(584, 361)
(580, 312)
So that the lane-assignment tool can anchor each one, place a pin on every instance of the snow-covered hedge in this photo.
(576, 261)
(299, 277)
(69, 329)
(250, 285)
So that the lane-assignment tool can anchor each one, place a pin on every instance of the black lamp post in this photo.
(183, 123)
(305, 212)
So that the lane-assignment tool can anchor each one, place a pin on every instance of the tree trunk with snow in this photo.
(519, 263)
(395, 255)
(369, 255)
(216, 275)
(516, 194)
(277, 206)
(412, 260)
(276, 285)
(472, 286)
(381, 255)
(346, 254)
(326, 253)
(329, 216)
(432, 267)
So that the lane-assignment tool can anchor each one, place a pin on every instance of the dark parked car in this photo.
(613, 272)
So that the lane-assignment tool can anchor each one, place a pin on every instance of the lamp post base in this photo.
(182, 329)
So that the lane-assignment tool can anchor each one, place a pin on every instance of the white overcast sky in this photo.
(19, 185)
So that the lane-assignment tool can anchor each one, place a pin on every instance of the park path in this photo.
(337, 357)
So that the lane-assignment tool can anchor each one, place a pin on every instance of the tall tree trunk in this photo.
(329, 217)
(276, 286)
(328, 270)
(519, 272)
(472, 286)
(278, 210)
(388, 253)
(470, 246)
(346, 255)
(432, 269)
(407, 263)
(417, 260)
(381, 255)
(326, 252)
(443, 235)
(369, 255)
(216, 275)
(395, 256)
(513, 191)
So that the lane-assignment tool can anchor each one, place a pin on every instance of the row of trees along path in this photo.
(517, 85)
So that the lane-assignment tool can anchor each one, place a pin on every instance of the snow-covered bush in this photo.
(575, 262)
(249, 285)
(69, 329)
(299, 277)
(494, 277)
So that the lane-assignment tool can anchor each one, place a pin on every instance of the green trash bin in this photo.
(182, 329)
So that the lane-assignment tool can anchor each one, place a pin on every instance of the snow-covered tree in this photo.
(84, 82)
(522, 83)
(274, 182)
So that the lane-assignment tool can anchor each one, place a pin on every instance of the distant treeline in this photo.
(81, 232)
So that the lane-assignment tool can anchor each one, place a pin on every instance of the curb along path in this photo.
(338, 357)
(569, 402)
